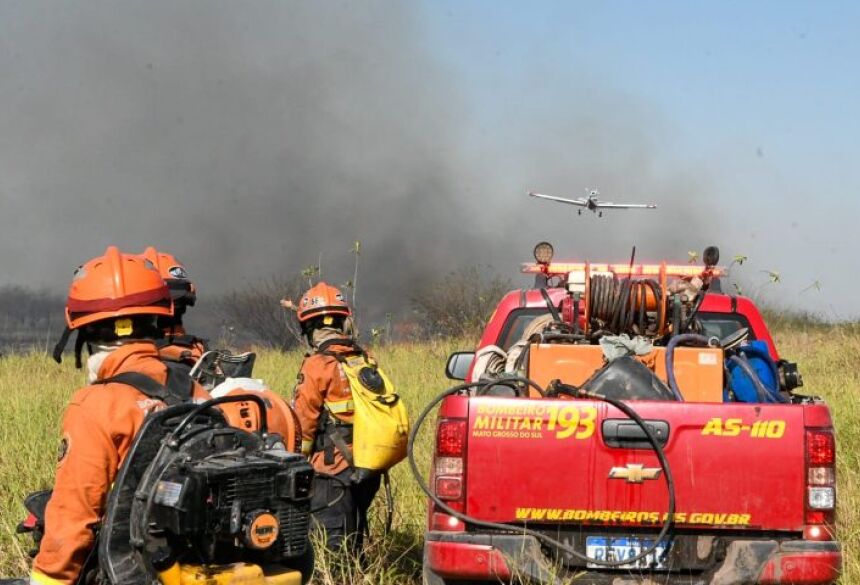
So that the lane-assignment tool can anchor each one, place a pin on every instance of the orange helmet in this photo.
(322, 299)
(116, 285)
(111, 286)
(182, 290)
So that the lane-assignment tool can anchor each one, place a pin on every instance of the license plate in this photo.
(617, 549)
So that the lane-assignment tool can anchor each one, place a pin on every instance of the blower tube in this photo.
(543, 538)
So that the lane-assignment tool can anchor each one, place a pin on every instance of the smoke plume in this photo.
(252, 138)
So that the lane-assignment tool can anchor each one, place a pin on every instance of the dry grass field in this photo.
(33, 391)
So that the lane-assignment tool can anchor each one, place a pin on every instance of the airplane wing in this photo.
(577, 202)
(607, 205)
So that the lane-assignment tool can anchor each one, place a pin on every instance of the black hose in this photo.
(657, 291)
(676, 314)
(694, 311)
(643, 302)
(621, 309)
(701, 340)
(510, 381)
(514, 382)
(389, 503)
(564, 337)
(552, 310)
(260, 403)
(344, 484)
(547, 540)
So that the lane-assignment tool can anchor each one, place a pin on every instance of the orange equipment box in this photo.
(698, 370)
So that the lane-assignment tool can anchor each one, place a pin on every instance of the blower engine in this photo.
(198, 501)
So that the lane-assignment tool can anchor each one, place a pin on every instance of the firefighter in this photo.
(323, 402)
(113, 304)
(178, 345)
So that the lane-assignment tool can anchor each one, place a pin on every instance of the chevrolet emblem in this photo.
(635, 473)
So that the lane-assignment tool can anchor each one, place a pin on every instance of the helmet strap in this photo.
(57, 354)
(79, 347)
(179, 308)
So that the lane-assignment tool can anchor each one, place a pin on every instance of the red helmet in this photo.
(322, 299)
(182, 290)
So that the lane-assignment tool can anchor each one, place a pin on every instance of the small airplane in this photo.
(592, 203)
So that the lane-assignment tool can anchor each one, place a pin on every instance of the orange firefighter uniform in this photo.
(113, 304)
(323, 384)
(323, 402)
(98, 429)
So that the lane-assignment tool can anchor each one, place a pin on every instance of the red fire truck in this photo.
(587, 443)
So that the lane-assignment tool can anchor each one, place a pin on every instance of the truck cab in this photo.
(544, 487)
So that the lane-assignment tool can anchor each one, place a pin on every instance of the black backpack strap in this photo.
(340, 441)
(179, 381)
(333, 434)
(178, 388)
(323, 347)
(355, 349)
(186, 340)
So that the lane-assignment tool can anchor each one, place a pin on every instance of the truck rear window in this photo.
(516, 324)
(721, 325)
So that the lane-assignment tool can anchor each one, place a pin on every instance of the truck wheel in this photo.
(431, 578)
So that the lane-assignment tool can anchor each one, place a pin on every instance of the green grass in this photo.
(33, 391)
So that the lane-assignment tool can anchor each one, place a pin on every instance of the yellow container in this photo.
(235, 574)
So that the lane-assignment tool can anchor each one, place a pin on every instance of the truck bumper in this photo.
(501, 557)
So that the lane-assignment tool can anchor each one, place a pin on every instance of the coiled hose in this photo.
(620, 306)
(543, 538)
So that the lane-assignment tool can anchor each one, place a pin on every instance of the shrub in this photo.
(460, 303)
(253, 315)
(29, 317)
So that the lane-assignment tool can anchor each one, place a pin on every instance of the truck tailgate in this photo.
(572, 462)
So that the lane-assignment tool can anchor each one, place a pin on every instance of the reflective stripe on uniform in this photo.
(307, 446)
(340, 406)
(37, 578)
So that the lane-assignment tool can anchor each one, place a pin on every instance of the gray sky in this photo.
(249, 137)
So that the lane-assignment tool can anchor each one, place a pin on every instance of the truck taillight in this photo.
(820, 481)
(448, 467)
(449, 488)
(820, 447)
(451, 438)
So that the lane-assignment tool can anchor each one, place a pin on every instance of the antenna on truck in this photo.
(632, 259)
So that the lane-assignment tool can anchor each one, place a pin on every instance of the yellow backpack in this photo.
(380, 422)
